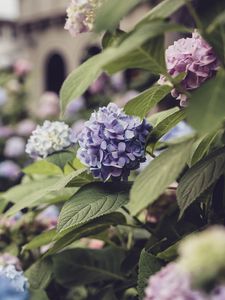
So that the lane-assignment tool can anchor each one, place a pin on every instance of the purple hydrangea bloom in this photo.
(172, 283)
(9, 169)
(14, 147)
(75, 106)
(218, 293)
(194, 57)
(112, 143)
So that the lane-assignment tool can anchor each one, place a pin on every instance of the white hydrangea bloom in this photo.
(81, 16)
(49, 138)
(16, 278)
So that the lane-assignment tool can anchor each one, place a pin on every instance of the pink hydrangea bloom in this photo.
(25, 127)
(173, 283)
(14, 147)
(5, 132)
(48, 106)
(81, 16)
(194, 57)
(22, 67)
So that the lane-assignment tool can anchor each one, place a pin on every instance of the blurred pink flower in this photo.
(48, 106)
(8, 259)
(14, 147)
(95, 244)
(48, 217)
(22, 67)
(98, 85)
(25, 127)
(3, 96)
(9, 169)
(5, 132)
(117, 81)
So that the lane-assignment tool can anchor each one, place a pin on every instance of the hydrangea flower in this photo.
(81, 16)
(48, 217)
(201, 263)
(16, 278)
(208, 261)
(22, 67)
(9, 292)
(112, 143)
(75, 106)
(25, 127)
(3, 96)
(172, 283)
(9, 169)
(48, 106)
(14, 147)
(194, 57)
(6, 132)
(49, 138)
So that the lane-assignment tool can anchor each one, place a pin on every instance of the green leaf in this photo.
(208, 102)
(80, 79)
(40, 240)
(91, 228)
(42, 167)
(92, 201)
(170, 253)
(148, 57)
(164, 9)
(158, 175)
(110, 39)
(143, 103)
(85, 266)
(38, 295)
(219, 20)
(157, 118)
(199, 178)
(148, 265)
(202, 146)
(40, 274)
(106, 20)
(61, 159)
(163, 127)
(56, 184)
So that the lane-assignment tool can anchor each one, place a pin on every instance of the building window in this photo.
(55, 72)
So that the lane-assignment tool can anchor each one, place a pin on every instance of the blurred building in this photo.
(36, 32)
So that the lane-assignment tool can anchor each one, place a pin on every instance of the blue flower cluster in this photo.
(113, 143)
(16, 279)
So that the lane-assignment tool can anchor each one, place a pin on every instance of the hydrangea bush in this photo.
(126, 203)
